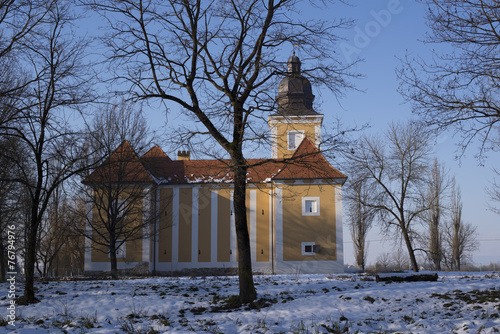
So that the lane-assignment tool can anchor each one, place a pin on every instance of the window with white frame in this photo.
(310, 206)
(121, 251)
(295, 138)
(310, 248)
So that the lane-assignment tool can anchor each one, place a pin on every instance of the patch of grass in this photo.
(128, 327)
(261, 303)
(198, 310)
(328, 326)
(472, 297)
(162, 319)
(286, 296)
(88, 322)
(370, 299)
(136, 312)
(408, 319)
(66, 322)
(209, 326)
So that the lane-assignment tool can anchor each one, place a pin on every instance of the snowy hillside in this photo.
(456, 303)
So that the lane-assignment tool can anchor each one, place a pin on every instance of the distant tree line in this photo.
(456, 89)
(394, 183)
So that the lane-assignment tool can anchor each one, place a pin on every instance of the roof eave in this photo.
(335, 180)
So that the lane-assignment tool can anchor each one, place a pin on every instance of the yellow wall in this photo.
(296, 227)
(263, 241)
(185, 224)
(223, 226)
(165, 226)
(282, 136)
(204, 224)
(319, 229)
(99, 253)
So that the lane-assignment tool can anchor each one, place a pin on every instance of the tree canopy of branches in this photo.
(433, 218)
(18, 22)
(360, 219)
(494, 193)
(459, 237)
(219, 61)
(58, 79)
(459, 88)
(394, 171)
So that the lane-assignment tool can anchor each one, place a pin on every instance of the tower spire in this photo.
(295, 118)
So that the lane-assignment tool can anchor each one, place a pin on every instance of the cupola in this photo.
(295, 95)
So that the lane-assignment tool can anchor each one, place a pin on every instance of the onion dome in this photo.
(295, 95)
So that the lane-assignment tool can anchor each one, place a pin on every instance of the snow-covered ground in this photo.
(456, 303)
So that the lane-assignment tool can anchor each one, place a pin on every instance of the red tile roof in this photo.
(155, 152)
(308, 163)
(123, 165)
(155, 165)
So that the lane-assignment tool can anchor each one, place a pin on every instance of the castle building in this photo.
(294, 202)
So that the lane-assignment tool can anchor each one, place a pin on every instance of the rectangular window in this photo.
(294, 139)
(309, 248)
(310, 206)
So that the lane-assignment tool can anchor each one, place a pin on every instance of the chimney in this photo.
(183, 155)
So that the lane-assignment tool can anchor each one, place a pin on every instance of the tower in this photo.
(295, 117)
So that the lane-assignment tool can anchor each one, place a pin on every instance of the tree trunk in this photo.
(112, 260)
(435, 246)
(247, 288)
(411, 252)
(29, 267)
(456, 244)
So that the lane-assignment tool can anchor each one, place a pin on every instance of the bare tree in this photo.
(459, 238)
(117, 188)
(10, 207)
(494, 192)
(219, 61)
(360, 218)
(394, 171)
(460, 88)
(55, 232)
(383, 262)
(54, 60)
(400, 259)
(433, 217)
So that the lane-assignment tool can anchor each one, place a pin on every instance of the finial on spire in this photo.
(294, 64)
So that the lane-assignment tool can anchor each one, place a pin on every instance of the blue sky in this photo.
(380, 104)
